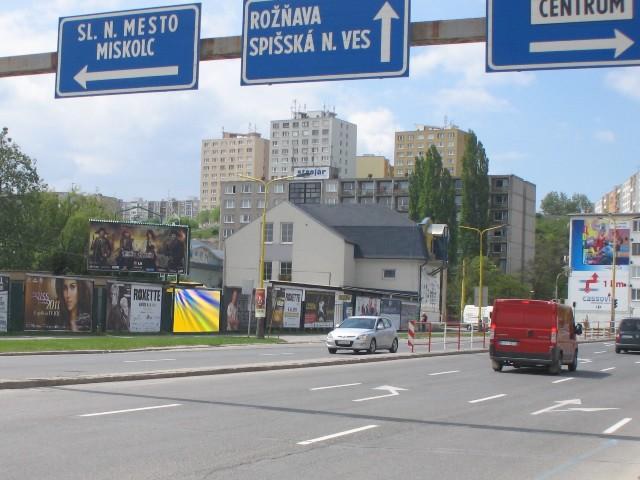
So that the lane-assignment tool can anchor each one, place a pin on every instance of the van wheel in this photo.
(497, 366)
(617, 350)
(573, 366)
(555, 367)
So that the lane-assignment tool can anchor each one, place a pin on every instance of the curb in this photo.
(58, 381)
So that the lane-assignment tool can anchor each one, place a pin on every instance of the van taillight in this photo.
(554, 335)
(492, 331)
(618, 337)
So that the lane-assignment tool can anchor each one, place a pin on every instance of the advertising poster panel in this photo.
(592, 245)
(4, 303)
(124, 247)
(134, 307)
(196, 311)
(319, 309)
(430, 294)
(391, 309)
(409, 312)
(261, 302)
(236, 309)
(58, 303)
(292, 308)
(367, 306)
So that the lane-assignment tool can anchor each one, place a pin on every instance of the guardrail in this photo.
(597, 331)
(447, 337)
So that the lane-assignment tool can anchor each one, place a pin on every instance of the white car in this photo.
(363, 333)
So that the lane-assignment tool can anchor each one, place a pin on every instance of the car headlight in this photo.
(364, 336)
(329, 336)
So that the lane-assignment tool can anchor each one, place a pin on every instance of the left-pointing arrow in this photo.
(619, 42)
(84, 76)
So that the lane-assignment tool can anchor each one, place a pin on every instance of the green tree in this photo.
(555, 203)
(475, 195)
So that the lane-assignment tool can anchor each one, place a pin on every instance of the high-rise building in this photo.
(312, 139)
(224, 158)
(624, 198)
(141, 210)
(449, 140)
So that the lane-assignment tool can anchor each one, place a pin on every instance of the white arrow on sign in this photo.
(83, 76)
(385, 15)
(393, 392)
(620, 43)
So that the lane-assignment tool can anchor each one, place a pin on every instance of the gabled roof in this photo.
(376, 231)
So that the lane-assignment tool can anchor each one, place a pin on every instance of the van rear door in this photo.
(524, 327)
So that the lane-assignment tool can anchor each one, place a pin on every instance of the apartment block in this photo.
(227, 157)
(140, 210)
(409, 145)
(312, 139)
(373, 166)
(624, 198)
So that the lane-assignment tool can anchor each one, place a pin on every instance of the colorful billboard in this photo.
(58, 303)
(134, 307)
(593, 241)
(367, 306)
(292, 308)
(196, 311)
(136, 247)
(4, 303)
(319, 309)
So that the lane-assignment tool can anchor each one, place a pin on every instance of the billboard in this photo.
(137, 247)
(196, 311)
(4, 303)
(236, 307)
(134, 307)
(593, 241)
(391, 309)
(367, 306)
(591, 291)
(58, 303)
(319, 309)
(292, 308)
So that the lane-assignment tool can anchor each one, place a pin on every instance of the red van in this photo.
(533, 333)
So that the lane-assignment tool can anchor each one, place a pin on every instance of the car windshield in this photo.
(356, 322)
(630, 325)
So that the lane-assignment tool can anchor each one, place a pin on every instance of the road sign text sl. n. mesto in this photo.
(145, 50)
(313, 40)
(551, 34)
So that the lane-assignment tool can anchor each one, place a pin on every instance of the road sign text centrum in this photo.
(313, 40)
(153, 49)
(548, 34)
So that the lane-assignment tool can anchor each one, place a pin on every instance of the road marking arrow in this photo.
(83, 76)
(561, 403)
(393, 392)
(385, 15)
(620, 43)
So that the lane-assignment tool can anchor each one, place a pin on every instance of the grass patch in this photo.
(109, 342)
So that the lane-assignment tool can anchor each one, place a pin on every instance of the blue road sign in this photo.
(313, 40)
(146, 50)
(548, 34)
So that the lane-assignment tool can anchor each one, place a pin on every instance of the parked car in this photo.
(363, 333)
(628, 336)
(533, 333)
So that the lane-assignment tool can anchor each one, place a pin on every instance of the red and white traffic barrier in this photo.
(412, 334)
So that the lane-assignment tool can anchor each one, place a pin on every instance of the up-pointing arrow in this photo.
(385, 15)
(84, 76)
(619, 42)
(393, 391)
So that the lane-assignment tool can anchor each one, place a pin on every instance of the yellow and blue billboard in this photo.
(196, 311)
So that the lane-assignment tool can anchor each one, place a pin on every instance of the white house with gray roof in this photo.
(358, 246)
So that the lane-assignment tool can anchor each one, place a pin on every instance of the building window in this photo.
(229, 189)
(245, 218)
(227, 219)
(635, 248)
(229, 203)
(246, 203)
(332, 187)
(286, 232)
(267, 271)
(389, 274)
(635, 271)
(227, 232)
(636, 225)
(635, 294)
(246, 188)
(278, 188)
(261, 203)
(285, 271)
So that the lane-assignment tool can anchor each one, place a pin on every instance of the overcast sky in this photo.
(572, 131)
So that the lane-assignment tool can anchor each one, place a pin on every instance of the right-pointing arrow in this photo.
(619, 42)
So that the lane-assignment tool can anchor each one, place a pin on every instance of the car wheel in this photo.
(333, 350)
(372, 346)
(573, 366)
(617, 350)
(497, 366)
(555, 367)
(394, 346)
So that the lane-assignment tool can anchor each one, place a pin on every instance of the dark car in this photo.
(628, 337)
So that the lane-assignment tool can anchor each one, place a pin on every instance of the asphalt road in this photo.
(76, 365)
(440, 417)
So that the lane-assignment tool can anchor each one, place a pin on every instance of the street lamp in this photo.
(614, 261)
(265, 185)
(565, 271)
(480, 234)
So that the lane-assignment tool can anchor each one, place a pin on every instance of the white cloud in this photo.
(605, 136)
(626, 82)
(375, 131)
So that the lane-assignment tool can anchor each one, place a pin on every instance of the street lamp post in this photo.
(612, 324)
(263, 231)
(480, 234)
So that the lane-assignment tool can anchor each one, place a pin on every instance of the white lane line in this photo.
(130, 410)
(609, 344)
(158, 360)
(444, 373)
(595, 353)
(563, 380)
(637, 362)
(488, 398)
(608, 369)
(336, 435)
(275, 354)
(335, 386)
(617, 426)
